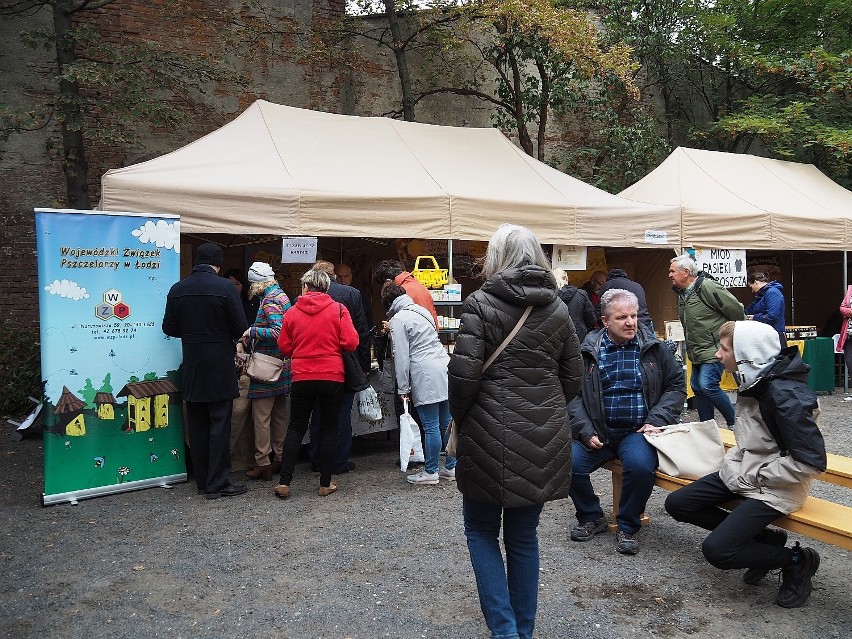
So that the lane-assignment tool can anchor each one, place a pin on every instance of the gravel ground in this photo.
(378, 559)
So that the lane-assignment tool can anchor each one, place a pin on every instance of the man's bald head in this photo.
(344, 274)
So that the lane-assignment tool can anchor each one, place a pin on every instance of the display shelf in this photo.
(436, 303)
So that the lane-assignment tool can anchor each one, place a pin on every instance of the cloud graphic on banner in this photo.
(68, 289)
(163, 234)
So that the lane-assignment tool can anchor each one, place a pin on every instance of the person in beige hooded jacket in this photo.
(779, 450)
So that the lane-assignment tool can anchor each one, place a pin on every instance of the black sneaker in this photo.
(773, 537)
(584, 532)
(796, 584)
(626, 543)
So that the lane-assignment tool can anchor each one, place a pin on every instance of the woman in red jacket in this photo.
(314, 334)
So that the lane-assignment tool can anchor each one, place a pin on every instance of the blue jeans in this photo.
(436, 420)
(639, 461)
(705, 384)
(508, 595)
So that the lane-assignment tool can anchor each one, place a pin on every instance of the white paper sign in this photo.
(569, 258)
(299, 250)
(656, 237)
(728, 266)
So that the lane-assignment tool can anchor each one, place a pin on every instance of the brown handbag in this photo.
(263, 368)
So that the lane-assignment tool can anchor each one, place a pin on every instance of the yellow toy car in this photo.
(430, 277)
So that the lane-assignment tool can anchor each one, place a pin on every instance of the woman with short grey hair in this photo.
(514, 446)
(314, 334)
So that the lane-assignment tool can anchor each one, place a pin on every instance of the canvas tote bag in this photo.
(688, 450)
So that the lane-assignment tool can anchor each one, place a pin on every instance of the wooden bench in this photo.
(818, 518)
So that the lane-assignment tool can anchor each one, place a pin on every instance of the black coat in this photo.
(514, 440)
(581, 309)
(351, 298)
(663, 387)
(205, 312)
(617, 278)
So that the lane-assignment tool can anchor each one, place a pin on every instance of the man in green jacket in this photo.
(703, 306)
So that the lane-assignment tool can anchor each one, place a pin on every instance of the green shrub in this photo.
(20, 370)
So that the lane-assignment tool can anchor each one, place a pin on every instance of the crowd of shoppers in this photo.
(543, 387)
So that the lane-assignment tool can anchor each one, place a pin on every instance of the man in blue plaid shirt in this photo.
(631, 385)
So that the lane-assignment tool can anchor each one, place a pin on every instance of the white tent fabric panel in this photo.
(281, 170)
(733, 200)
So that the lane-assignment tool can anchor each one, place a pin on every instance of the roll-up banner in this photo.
(113, 419)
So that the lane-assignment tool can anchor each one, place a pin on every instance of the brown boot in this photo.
(261, 472)
(282, 491)
(325, 491)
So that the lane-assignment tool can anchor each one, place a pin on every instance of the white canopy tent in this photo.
(288, 171)
(731, 200)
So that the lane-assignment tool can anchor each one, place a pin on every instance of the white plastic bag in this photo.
(368, 405)
(410, 445)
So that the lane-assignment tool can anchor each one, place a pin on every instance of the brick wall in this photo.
(270, 54)
(31, 177)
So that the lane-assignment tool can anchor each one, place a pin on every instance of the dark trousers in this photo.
(736, 540)
(344, 434)
(303, 397)
(209, 430)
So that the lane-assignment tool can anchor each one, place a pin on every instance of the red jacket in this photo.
(314, 333)
(418, 293)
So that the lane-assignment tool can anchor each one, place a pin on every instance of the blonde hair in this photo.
(560, 276)
(316, 280)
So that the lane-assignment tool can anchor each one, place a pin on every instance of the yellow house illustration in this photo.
(147, 404)
(105, 403)
(70, 411)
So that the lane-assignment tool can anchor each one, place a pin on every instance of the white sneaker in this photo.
(423, 478)
(447, 473)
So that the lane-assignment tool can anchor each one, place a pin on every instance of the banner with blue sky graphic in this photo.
(112, 413)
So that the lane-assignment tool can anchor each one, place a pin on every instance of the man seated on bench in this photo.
(631, 384)
(779, 449)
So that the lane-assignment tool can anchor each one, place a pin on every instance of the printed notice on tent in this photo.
(656, 237)
(112, 411)
(728, 266)
(299, 250)
(569, 258)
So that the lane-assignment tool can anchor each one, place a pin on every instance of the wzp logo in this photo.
(112, 306)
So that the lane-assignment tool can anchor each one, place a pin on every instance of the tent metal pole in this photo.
(792, 289)
(450, 260)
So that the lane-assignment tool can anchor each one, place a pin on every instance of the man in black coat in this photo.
(351, 298)
(204, 311)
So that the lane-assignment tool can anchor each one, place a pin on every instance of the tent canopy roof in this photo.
(732, 200)
(288, 171)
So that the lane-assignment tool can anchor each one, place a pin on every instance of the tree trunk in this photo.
(542, 108)
(401, 61)
(517, 95)
(74, 162)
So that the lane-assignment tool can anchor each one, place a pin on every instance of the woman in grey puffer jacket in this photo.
(514, 450)
(420, 363)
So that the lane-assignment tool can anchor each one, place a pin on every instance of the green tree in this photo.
(99, 82)
(106, 386)
(88, 393)
(745, 75)
(531, 57)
